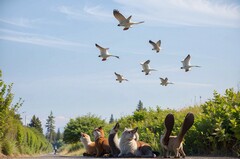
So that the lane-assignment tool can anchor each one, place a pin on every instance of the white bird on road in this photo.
(120, 78)
(124, 22)
(146, 67)
(164, 82)
(187, 65)
(156, 46)
(104, 53)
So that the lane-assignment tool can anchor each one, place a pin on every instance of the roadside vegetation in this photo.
(15, 138)
(216, 130)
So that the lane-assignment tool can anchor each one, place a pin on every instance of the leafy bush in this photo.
(86, 124)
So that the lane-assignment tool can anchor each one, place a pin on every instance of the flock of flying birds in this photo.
(127, 23)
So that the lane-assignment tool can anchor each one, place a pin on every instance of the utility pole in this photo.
(24, 117)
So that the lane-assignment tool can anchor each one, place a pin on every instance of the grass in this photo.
(72, 150)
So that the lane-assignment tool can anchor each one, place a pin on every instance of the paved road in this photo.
(51, 156)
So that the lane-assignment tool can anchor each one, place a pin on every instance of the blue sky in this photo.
(47, 49)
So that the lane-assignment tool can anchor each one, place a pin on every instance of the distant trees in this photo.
(111, 119)
(50, 125)
(140, 106)
(59, 139)
(36, 123)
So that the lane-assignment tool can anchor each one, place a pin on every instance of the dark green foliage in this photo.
(140, 106)
(59, 139)
(111, 119)
(50, 128)
(84, 124)
(36, 123)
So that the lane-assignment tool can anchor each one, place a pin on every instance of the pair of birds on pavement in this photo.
(127, 23)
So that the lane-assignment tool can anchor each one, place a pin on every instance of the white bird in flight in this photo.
(187, 65)
(164, 82)
(156, 46)
(146, 67)
(120, 78)
(104, 53)
(124, 22)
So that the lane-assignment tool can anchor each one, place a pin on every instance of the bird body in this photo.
(124, 22)
(104, 53)
(120, 78)
(146, 67)
(186, 64)
(164, 82)
(156, 46)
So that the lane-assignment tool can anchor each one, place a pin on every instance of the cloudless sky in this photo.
(47, 49)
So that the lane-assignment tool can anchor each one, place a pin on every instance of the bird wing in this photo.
(187, 59)
(153, 43)
(118, 75)
(146, 62)
(159, 43)
(101, 48)
(162, 80)
(118, 15)
(145, 65)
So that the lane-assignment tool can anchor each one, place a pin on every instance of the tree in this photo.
(59, 139)
(58, 135)
(111, 119)
(36, 123)
(140, 106)
(50, 128)
(85, 124)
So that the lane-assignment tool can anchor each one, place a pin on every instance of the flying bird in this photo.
(120, 78)
(164, 82)
(124, 22)
(104, 53)
(156, 46)
(186, 64)
(146, 67)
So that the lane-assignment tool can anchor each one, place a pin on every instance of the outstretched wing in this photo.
(101, 48)
(162, 80)
(153, 43)
(118, 15)
(146, 62)
(118, 75)
(187, 59)
(159, 43)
